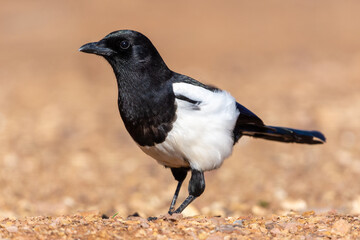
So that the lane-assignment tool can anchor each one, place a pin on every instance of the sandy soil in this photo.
(64, 149)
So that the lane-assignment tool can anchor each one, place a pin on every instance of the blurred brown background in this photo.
(63, 146)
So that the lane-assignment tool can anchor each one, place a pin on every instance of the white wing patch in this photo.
(200, 138)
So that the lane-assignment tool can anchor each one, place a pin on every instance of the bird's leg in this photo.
(196, 188)
(179, 175)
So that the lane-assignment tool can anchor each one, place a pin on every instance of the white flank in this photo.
(203, 138)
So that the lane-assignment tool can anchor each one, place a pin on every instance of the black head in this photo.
(128, 51)
(146, 100)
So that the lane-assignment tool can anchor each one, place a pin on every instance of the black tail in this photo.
(249, 124)
(283, 134)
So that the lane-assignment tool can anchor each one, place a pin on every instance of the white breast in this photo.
(200, 138)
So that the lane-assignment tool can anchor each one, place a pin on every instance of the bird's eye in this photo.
(124, 44)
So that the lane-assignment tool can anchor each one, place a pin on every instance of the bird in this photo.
(185, 125)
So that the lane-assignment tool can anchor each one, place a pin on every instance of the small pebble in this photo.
(239, 222)
(12, 229)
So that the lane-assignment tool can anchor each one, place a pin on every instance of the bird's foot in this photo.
(172, 217)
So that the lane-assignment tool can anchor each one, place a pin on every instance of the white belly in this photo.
(200, 139)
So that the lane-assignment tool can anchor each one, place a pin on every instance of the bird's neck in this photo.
(142, 91)
(143, 87)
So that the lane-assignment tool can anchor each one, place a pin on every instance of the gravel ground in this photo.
(90, 225)
(64, 149)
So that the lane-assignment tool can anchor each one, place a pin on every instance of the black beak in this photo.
(97, 48)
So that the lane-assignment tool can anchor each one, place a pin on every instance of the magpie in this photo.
(182, 123)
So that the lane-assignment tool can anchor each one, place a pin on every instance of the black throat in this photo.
(146, 102)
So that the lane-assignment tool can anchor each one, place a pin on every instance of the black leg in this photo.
(186, 203)
(179, 175)
(196, 188)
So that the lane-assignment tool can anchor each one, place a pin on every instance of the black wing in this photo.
(185, 79)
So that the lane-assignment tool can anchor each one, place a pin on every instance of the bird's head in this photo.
(127, 51)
